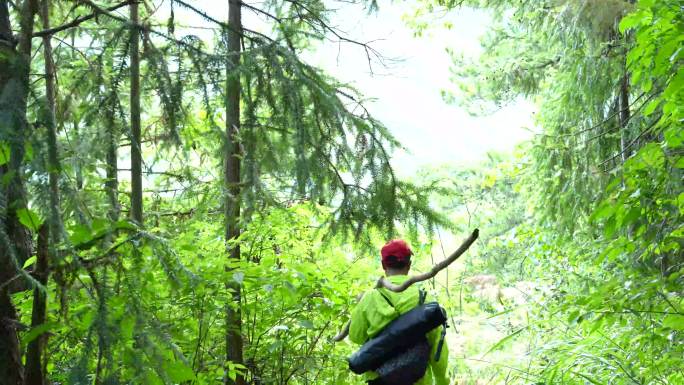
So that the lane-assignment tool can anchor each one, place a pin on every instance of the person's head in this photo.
(396, 257)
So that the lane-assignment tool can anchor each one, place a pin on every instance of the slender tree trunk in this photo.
(15, 240)
(112, 182)
(624, 116)
(136, 150)
(34, 353)
(54, 166)
(78, 166)
(112, 187)
(49, 236)
(232, 184)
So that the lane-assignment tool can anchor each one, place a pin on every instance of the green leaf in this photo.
(680, 162)
(234, 369)
(674, 136)
(29, 218)
(609, 227)
(80, 234)
(630, 21)
(86, 318)
(650, 107)
(606, 210)
(179, 372)
(127, 326)
(4, 153)
(151, 378)
(36, 332)
(99, 225)
(28, 152)
(674, 321)
(29, 262)
(125, 225)
(632, 215)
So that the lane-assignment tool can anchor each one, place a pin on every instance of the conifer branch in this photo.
(224, 25)
(370, 51)
(146, 28)
(77, 21)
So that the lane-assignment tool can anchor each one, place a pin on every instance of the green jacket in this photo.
(373, 313)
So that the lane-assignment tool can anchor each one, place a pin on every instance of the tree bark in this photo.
(112, 181)
(48, 236)
(15, 239)
(112, 187)
(54, 167)
(624, 116)
(5, 25)
(34, 353)
(11, 369)
(232, 191)
(136, 150)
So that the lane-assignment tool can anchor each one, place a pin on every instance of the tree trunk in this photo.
(136, 150)
(103, 365)
(54, 168)
(11, 370)
(624, 117)
(232, 192)
(34, 353)
(112, 181)
(49, 236)
(15, 240)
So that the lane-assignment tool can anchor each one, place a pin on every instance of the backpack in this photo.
(399, 354)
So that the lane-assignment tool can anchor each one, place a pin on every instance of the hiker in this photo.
(380, 306)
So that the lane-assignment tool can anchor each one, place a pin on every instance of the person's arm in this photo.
(358, 327)
(440, 366)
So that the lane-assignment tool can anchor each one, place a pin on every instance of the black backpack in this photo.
(399, 354)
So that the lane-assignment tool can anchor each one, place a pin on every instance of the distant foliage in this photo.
(602, 181)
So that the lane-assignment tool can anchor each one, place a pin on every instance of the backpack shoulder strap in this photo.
(421, 296)
(440, 344)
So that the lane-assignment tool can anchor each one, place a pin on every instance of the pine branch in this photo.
(370, 51)
(77, 21)
(145, 28)
(224, 25)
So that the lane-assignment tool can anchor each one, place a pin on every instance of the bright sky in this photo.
(406, 92)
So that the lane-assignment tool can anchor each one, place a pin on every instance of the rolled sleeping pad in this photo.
(402, 332)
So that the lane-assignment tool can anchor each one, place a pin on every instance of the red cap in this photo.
(397, 248)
